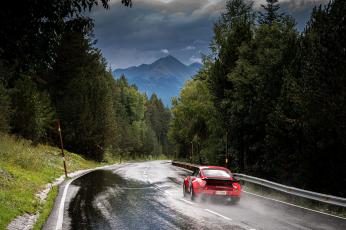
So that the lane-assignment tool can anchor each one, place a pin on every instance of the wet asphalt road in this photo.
(148, 195)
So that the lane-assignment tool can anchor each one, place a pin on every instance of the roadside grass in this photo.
(300, 201)
(46, 208)
(24, 170)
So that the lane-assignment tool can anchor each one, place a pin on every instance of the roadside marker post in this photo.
(62, 147)
(226, 152)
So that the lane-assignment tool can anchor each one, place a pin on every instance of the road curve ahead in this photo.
(148, 195)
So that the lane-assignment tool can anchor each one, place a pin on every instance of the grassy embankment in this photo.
(24, 170)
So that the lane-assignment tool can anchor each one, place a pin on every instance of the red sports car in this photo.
(212, 181)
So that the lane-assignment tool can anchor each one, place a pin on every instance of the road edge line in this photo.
(60, 219)
(186, 201)
(218, 214)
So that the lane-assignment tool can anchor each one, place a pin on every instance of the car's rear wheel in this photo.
(235, 200)
(192, 193)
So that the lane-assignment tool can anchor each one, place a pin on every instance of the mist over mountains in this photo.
(165, 77)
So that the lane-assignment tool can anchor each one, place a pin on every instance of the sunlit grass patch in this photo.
(25, 169)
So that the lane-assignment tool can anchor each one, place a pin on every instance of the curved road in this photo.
(148, 195)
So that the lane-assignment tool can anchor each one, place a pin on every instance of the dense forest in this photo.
(50, 70)
(270, 100)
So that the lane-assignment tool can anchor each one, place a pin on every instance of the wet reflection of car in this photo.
(212, 182)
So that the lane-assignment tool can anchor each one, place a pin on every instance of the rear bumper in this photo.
(218, 193)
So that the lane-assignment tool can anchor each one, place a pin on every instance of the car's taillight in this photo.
(202, 182)
(235, 186)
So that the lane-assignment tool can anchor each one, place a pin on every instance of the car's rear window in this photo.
(216, 173)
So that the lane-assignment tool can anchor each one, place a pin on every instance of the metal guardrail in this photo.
(334, 200)
(185, 165)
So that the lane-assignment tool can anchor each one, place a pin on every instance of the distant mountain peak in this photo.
(165, 77)
(169, 59)
(170, 56)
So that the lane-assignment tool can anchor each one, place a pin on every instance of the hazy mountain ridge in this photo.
(165, 77)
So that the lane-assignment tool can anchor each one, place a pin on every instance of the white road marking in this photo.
(186, 201)
(136, 188)
(60, 218)
(61, 208)
(215, 213)
(283, 202)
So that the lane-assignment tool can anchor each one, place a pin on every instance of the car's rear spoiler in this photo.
(221, 179)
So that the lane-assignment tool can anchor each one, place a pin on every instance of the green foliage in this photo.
(195, 122)
(33, 115)
(158, 118)
(233, 29)
(83, 100)
(54, 72)
(323, 87)
(100, 114)
(32, 30)
(5, 109)
(270, 99)
(271, 13)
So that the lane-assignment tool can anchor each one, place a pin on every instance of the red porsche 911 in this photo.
(212, 182)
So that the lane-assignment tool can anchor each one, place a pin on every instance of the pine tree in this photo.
(234, 28)
(158, 118)
(271, 13)
(323, 87)
(33, 115)
(5, 109)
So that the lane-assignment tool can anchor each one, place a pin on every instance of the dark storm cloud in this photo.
(152, 29)
(155, 28)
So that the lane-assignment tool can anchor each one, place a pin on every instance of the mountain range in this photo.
(165, 77)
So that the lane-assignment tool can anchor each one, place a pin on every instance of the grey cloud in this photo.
(132, 36)
(165, 51)
(293, 5)
(303, 4)
(189, 48)
(125, 33)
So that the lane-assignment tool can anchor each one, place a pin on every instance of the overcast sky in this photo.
(155, 28)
